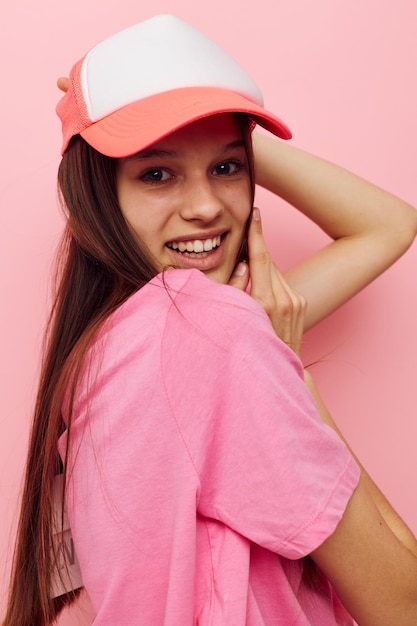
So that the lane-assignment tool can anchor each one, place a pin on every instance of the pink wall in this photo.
(342, 74)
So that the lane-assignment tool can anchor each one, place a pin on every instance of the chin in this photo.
(219, 276)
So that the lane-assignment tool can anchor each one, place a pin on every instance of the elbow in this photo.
(413, 227)
(409, 230)
(403, 228)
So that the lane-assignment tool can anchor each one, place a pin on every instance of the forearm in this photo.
(341, 203)
(370, 228)
(391, 517)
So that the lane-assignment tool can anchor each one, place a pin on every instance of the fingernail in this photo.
(256, 214)
(240, 269)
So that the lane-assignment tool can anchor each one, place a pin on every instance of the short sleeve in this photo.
(267, 465)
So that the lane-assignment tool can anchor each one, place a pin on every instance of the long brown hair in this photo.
(99, 265)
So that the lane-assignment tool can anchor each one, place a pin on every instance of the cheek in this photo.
(135, 209)
(126, 204)
(245, 212)
(148, 225)
(242, 205)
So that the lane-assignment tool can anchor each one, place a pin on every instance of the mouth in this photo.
(196, 248)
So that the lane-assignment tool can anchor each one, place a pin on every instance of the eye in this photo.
(227, 168)
(156, 175)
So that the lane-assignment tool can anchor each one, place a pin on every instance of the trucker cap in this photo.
(151, 79)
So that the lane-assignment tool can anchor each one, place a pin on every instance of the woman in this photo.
(199, 473)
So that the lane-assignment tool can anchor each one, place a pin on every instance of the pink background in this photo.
(342, 74)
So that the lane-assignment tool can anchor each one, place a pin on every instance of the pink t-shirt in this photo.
(200, 471)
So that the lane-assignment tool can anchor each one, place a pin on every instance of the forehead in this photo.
(219, 129)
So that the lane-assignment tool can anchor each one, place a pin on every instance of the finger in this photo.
(63, 83)
(240, 276)
(259, 259)
(285, 307)
(298, 301)
(265, 275)
(291, 313)
(256, 243)
(266, 287)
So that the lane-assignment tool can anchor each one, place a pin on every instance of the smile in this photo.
(198, 247)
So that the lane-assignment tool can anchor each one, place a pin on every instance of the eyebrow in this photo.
(152, 153)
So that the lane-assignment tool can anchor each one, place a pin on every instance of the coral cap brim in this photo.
(136, 126)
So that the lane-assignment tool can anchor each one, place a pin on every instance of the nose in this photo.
(201, 202)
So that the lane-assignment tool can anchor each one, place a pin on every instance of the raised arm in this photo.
(370, 227)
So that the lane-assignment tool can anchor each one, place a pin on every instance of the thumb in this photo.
(240, 276)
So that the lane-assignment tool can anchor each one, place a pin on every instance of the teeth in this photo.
(196, 246)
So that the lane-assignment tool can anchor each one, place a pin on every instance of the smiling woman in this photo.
(188, 200)
(202, 475)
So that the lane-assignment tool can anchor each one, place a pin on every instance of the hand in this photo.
(285, 307)
(63, 83)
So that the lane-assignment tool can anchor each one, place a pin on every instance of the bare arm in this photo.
(370, 227)
(372, 572)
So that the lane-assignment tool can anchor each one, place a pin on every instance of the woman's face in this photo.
(188, 197)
